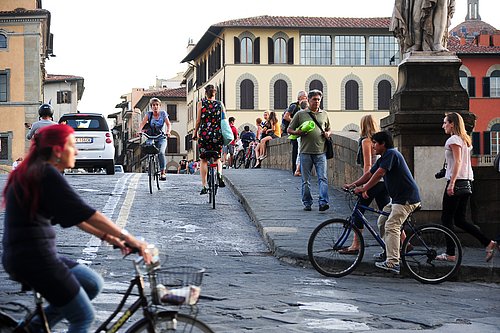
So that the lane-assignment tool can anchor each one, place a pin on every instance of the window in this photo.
(384, 95)
(64, 97)
(4, 146)
(318, 85)
(246, 94)
(3, 41)
(172, 145)
(280, 51)
(172, 112)
(495, 139)
(349, 50)
(351, 95)
(246, 51)
(315, 50)
(495, 84)
(188, 142)
(4, 86)
(280, 95)
(384, 50)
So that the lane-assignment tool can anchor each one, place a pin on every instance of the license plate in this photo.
(84, 140)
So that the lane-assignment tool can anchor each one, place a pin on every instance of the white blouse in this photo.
(465, 171)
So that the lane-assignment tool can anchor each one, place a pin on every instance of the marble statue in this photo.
(422, 25)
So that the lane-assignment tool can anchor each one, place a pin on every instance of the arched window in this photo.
(495, 84)
(384, 95)
(318, 85)
(246, 94)
(246, 51)
(280, 51)
(3, 41)
(280, 95)
(351, 95)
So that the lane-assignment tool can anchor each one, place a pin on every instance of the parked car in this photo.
(94, 141)
(119, 168)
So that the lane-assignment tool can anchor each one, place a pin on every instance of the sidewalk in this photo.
(272, 199)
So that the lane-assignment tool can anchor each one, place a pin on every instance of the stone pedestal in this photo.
(428, 87)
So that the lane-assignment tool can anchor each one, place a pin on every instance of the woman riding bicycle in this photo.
(208, 133)
(155, 121)
(36, 197)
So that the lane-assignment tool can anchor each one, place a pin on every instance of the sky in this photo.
(117, 45)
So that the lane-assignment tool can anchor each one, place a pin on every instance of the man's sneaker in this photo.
(324, 207)
(379, 256)
(204, 190)
(307, 208)
(388, 266)
(221, 181)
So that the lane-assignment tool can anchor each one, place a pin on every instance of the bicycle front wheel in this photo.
(215, 181)
(171, 322)
(421, 249)
(157, 173)
(151, 171)
(325, 245)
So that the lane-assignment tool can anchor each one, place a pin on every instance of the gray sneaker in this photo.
(388, 266)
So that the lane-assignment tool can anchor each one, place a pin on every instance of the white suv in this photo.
(94, 141)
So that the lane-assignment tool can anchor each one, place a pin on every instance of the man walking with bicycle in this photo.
(403, 192)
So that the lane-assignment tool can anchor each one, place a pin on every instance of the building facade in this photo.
(63, 92)
(477, 44)
(25, 45)
(260, 63)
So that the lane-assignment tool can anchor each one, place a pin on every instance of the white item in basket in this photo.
(160, 290)
(189, 295)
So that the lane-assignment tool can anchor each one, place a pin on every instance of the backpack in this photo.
(284, 123)
(150, 128)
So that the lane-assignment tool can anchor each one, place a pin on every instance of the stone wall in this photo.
(485, 201)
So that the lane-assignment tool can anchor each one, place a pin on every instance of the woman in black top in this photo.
(36, 197)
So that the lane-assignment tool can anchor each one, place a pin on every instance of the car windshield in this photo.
(85, 123)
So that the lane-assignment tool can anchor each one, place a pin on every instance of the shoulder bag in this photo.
(328, 140)
(227, 133)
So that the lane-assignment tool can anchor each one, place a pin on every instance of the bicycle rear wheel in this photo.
(326, 241)
(239, 159)
(421, 249)
(215, 184)
(7, 323)
(151, 171)
(164, 322)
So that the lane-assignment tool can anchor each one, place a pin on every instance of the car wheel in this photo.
(110, 169)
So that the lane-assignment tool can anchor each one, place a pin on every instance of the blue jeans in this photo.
(79, 311)
(161, 144)
(307, 161)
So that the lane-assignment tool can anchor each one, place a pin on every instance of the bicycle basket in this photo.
(150, 149)
(178, 285)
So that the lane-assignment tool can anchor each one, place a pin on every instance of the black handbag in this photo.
(462, 187)
(328, 140)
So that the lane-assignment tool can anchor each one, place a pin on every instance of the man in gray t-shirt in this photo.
(312, 149)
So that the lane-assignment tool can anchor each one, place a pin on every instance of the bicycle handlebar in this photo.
(153, 136)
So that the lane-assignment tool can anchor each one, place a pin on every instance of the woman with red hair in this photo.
(36, 197)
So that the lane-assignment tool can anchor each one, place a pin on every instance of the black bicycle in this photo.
(153, 164)
(171, 290)
(212, 179)
(327, 244)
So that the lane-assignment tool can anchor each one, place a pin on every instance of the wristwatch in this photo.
(124, 233)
